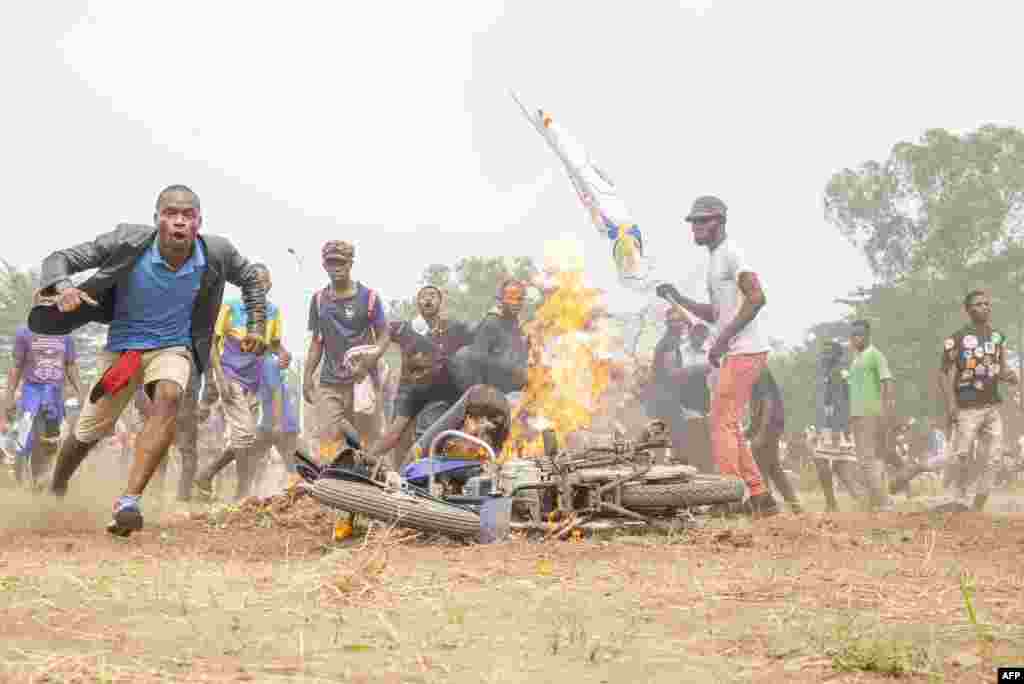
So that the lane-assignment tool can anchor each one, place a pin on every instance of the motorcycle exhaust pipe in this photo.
(654, 474)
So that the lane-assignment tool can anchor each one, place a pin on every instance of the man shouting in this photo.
(425, 378)
(159, 290)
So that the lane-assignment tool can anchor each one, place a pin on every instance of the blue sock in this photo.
(128, 501)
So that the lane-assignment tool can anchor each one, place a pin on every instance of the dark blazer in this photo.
(115, 254)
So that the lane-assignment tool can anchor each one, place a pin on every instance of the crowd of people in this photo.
(178, 356)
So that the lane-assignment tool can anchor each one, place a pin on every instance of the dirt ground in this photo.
(261, 593)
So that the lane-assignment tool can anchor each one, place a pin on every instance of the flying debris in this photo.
(599, 197)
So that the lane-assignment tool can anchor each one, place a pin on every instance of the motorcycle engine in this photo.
(478, 486)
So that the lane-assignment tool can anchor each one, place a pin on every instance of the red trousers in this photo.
(737, 377)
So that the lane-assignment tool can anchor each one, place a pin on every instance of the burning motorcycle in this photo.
(607, 483)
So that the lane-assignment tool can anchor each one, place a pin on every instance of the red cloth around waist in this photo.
(118, 375)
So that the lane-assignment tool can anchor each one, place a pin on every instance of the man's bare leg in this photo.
(824, 468)
(387, 444)
(155, 438)
(71, 454)
(186, 439)
(150, 450)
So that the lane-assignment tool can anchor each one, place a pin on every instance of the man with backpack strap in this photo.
(343, 316)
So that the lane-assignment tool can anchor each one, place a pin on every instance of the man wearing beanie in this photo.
(342, 316)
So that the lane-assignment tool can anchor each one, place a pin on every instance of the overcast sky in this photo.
(389, 124)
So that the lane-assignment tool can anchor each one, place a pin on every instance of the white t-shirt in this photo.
(724, 268)
(691, 356)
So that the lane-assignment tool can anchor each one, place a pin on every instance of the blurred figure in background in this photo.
(973, 366)
(42, 366)
(767, 425)
(278, 424)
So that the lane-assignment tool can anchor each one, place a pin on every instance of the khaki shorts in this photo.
(286, 443)
(982, 426)
(241, 414)
(97, 421)
(334, 408)
(869, 437)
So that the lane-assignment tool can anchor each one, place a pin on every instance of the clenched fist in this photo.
(253, 343)
(668, 292)
(70, 299)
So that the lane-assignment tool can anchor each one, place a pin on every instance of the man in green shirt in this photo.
(872, 401)
(973, 365)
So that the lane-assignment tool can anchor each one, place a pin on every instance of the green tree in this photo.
(937, 207)
(17, 288)
(401, 310)
(474, 285)
(470, 286)
(937, 219)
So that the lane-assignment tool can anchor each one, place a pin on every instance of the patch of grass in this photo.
(568, 630)
(103, 585)
(927, 486)
(363, 574)
(456, 614)
(967, 591)
(570, 636)
(884, 656)
(873, 651)
(889, 536)
(807, 478)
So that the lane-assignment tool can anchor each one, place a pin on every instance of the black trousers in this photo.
(767, 459)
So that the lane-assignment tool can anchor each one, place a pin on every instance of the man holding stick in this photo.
(736, 298)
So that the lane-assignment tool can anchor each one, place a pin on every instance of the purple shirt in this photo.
(341, 324)
(43, 358)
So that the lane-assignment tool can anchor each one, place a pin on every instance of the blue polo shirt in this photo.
(153, 308)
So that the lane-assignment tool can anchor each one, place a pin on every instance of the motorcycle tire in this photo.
(396, 508)
(699, 492)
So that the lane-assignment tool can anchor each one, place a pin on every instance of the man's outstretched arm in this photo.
(57, 269)
(669, 293)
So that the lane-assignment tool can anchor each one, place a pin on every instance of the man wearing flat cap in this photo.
(739, 352)
(343, 317)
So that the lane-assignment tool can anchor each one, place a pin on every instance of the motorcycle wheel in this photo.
(396, 508)
(700, 492)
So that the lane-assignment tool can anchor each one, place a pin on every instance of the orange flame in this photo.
(569, 369)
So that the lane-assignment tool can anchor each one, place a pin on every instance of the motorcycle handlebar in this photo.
(454, 433)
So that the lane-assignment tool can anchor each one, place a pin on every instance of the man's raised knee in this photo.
(167, 397)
